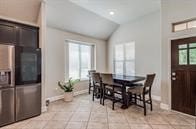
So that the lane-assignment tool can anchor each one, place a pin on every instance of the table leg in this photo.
(124, 96)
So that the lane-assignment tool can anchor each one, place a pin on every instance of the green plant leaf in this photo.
(69, 86)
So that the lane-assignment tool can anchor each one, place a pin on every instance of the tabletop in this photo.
(128, 78)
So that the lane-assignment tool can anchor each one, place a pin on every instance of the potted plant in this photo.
(68, 87)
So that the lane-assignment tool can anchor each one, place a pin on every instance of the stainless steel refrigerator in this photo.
(20, 83)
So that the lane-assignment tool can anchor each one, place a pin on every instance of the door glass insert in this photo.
(182, 46)
(183, 57)
(191, 45)
(192, 56)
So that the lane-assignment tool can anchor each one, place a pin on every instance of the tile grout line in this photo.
(69, 120)
(89, 117)
(148, 122)
(107, 117)
(126, 119)
(172, 125)
(168, 121)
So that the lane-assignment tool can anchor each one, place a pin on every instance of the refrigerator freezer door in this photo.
(28, 101)
(6, 106)
(7, 66)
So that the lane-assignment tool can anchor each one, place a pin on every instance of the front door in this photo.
(183, 75)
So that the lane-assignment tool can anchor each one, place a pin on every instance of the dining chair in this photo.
(111, 89)
(90, 86)
(139, 92)
(97, 86)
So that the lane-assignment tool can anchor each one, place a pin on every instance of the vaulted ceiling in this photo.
(124, 10)
(23, 10)
(65, 15)
(92, 17)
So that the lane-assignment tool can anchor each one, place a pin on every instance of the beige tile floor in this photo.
(83, 113)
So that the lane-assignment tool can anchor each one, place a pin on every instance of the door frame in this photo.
(167, 106)
(169, 71)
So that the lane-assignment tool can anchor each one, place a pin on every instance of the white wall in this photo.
(145, 32)
(173, 11)
(56, 65)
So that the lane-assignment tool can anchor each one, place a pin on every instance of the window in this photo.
(180, 27)
(187, 54)
(80, 60)
(124, 59)
(185, 25)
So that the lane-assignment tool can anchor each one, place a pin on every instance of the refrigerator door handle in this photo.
(12, 64)
(0, 102)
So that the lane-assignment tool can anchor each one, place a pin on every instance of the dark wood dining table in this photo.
(126, 81)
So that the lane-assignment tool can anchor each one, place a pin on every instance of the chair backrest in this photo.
(148, 83)
(107, 78)
(96, 77)
(91, 71)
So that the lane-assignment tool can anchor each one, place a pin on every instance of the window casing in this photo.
(81, 59)
(124, 59)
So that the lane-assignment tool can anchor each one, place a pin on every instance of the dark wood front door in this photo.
(183, 74)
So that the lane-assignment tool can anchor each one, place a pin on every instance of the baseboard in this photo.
(164, 106)
(80, 92)
(157, 98)
(55, 98)
(183, 114)
(44, 109)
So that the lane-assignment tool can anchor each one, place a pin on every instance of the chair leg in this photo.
(103, 96)
(100, 96)
(89, 88)
(129, 98)
(135, 97)
(144, 103)
(93, 93)
(113, 105)
(150, 101)
(113, 101)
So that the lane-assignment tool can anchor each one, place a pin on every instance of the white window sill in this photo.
(84, 79)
